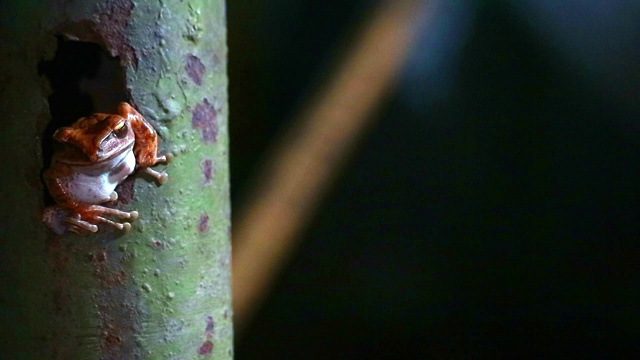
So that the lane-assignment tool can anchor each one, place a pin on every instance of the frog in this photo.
(92, 157)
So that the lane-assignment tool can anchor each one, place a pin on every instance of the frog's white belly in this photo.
(94, 184)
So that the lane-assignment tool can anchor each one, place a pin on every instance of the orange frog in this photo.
(96, 154)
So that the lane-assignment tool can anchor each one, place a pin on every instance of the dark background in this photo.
(492, 212)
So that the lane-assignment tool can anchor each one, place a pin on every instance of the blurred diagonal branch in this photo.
(306, 160)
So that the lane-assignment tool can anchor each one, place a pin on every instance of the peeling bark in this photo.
(161, 291)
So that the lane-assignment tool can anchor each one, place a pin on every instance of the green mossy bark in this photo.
(161, 291)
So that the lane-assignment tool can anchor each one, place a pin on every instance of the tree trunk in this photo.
(161, 291)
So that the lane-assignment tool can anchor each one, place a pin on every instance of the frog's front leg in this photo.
(146, 144)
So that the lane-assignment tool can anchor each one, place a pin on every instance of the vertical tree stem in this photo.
(161, 291)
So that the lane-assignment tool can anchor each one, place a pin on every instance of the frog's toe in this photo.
(120, 226)
(113, 196)
(163, 178)
(81, 224)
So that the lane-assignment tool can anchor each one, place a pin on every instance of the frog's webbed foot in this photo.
(96, 214)
(86, 219)
(60, 220)
(54, 217)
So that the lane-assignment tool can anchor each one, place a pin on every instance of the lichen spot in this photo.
(206, 348)
(205, 118)
(207, 170)
(126, 192)
(195, 69)
(209, 330)
(203, 226)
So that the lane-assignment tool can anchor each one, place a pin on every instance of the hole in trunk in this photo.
(84, 79)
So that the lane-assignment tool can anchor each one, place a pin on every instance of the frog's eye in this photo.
(119, 125)
(120, 130)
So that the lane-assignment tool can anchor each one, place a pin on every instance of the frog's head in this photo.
(99, 137)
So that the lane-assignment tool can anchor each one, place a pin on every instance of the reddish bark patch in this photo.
(126, 191)
(59, 261)
(111, 339)
(207, 170)
(111, 23)
(100, 256)
(195, 69)
(106, 278)
(204, 223)
(117, 328)
(107, 27)
(206, 348)
(205, 118)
